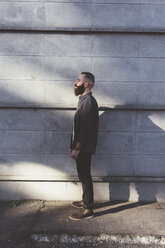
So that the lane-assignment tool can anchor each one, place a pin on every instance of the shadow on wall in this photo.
(136, 153)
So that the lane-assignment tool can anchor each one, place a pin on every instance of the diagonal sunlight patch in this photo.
(158, 119)
(31, 171)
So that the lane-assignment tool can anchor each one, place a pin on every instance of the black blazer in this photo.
(85, 124)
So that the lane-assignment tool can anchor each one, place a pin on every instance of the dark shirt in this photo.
(85, 124)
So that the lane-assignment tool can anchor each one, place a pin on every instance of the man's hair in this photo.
(89, 77)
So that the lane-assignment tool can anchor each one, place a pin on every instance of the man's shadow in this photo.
(111, 121)
(117, 208)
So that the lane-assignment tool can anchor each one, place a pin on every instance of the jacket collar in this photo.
(86, 95)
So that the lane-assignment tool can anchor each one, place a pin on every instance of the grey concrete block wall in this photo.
(21, 15)
(68, 15)
(19, 126)
(21, 142)
(29, 67)
(127, 15)
(21, 119)
(44, 45)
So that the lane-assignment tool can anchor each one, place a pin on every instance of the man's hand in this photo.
(74, 154)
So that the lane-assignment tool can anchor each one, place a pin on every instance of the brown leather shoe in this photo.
(77, 204)
(82, 214)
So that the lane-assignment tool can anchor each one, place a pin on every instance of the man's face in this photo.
(79, 85)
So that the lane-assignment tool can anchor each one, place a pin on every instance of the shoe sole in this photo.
(76, 206)
(89, 217)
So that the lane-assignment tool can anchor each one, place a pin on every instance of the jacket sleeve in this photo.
(85, 124)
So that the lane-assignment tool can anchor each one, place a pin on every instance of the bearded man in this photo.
(83, 142)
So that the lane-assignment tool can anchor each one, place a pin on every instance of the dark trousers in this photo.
(84, 173)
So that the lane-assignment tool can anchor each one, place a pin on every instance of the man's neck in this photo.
(85, 92)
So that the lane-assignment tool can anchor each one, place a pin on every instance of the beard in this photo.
(78, 90)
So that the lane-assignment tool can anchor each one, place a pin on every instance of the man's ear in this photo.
(86, 84)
